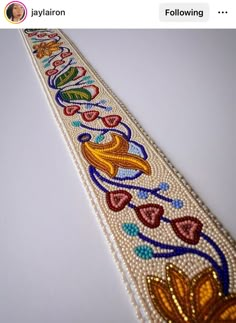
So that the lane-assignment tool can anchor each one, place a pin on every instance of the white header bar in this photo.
(118, 14)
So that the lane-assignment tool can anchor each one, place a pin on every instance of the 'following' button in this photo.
(194, 12)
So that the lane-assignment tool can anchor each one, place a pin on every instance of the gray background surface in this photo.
(180, 84)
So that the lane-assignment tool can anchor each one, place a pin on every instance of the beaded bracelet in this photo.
(176, 260)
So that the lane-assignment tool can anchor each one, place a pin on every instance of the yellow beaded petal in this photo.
(179, 285)
(162, 299)
(225, 311)
(206, 291)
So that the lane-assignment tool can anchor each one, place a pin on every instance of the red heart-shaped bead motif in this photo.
(150, 214)
(187, 229)
(67, 54)
(90, 115)
(51, 72)
(52, 35)
(117, 200)
(32, 34)
(71, 110)
(42, 35)
(111, 121)
(58, 63)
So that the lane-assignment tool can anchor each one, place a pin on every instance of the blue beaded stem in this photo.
(97, 105)
(134, 187)
(225, 271)
(128, 130)
(94, 179)
(57, 98)
(104, 129)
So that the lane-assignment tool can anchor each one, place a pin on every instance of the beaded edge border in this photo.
(130, 286)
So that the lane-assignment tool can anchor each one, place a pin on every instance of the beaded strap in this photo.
(177, 261)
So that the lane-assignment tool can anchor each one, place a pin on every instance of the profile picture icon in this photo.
(15, 12)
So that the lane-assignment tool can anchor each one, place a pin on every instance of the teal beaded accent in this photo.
(131, 229)
(144, 252)
(99, 139)
(45, 59)
(86, 78)
(76, 123)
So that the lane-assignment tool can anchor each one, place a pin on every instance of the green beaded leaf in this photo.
(143, 252)
(66, 77)
(76, 94)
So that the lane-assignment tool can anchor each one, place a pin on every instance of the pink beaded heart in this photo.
(150, 214)
(90, 115)
(51, 72)
(111, 121)
(187, 229)
(71, 110)
(64, 55)
(58, 63)
(117, 200)
(52, 35)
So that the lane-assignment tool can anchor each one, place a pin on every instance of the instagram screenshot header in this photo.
(118, 14)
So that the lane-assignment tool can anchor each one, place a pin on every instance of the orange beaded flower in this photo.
(110, 156)
(46, 49)
(180, 299)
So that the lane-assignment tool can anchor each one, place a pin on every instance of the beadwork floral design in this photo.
(180, 299)
(111, 156)
(46, 49)
(168, 251)
(118, 166)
